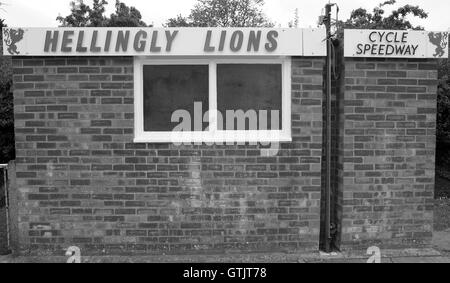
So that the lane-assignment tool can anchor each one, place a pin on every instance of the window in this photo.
(250, 87)
(212, 100)
(168, 88)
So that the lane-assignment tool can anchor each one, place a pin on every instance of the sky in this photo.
(42, 13)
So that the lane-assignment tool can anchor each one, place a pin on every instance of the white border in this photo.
(213, 135)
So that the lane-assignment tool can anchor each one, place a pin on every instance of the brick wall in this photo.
(82, 181)
(387, 152)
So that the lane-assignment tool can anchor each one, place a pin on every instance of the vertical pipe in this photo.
(328, 132)
(4, 169)
(5, 183)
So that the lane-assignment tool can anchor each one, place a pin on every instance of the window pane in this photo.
(250, 87)
(168, 88)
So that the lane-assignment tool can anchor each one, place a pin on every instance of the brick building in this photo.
(98, 168)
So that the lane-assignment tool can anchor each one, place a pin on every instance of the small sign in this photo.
(163, 42)
(396, 44)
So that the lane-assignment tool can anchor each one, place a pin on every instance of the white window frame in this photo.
(213, 135)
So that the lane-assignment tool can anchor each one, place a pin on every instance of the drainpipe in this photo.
(328, 236)
(4, 168)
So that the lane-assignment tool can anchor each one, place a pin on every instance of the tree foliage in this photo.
(78, 17)
(294, 23)
(125, 17)
(82, 15)
(96, 14)
(224, 13)
(398, 19)
(7, 151)
(443, 116)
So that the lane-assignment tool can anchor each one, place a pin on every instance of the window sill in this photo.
(213, 138)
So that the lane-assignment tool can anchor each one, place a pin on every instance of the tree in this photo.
(443, 116)
(96, 14)
(78, 17)
(125, 17)
(82, 15)
(7, 147)
(2, 25)
(179, 21)
(361, 19)
(224, 13)
(294, 23)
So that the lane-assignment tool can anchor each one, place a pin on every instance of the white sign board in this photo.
(163, 42)
(395, 44)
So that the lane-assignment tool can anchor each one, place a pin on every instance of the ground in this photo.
(442, 188)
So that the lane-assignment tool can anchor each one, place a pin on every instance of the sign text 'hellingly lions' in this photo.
(163, 42)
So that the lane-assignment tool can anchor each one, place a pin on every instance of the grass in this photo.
(441, 235)
(442, 205)
(442, 215)
(442, 188)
